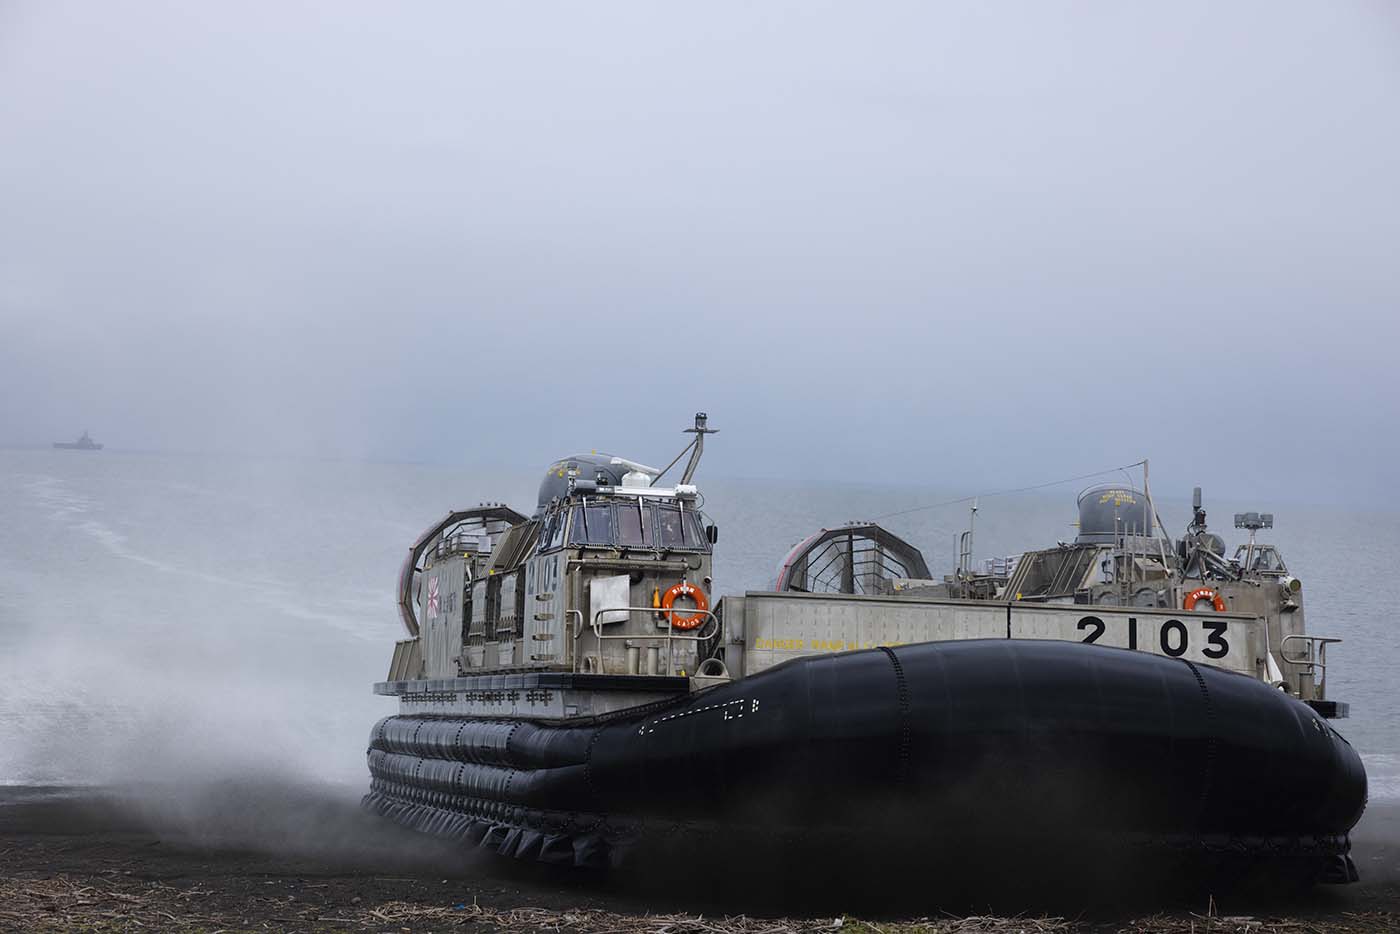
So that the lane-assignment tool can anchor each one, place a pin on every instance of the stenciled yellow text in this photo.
(818, 645)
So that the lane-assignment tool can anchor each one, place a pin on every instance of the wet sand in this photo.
(273, 856)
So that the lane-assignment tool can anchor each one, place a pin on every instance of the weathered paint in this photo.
(781, 626)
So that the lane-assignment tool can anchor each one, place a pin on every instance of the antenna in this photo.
(634, 466)
(1254, 521)
(697, 448)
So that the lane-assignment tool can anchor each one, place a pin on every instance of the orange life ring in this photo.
(1203, 593)
(685, 589)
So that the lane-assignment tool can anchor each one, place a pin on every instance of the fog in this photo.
(927, 249)
(969, 243)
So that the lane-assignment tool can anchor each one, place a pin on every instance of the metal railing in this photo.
(707, 630)
(1313, 659)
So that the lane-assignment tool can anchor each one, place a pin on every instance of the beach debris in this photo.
(109, 903)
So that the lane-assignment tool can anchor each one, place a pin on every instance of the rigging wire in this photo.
(1023, 489)
(672, 464)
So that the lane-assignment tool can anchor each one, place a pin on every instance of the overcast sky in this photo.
(947, 243)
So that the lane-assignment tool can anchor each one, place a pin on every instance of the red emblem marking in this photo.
(433, 596)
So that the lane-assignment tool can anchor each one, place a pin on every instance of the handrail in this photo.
(1313, 659)
(670, 637)
(670, 628)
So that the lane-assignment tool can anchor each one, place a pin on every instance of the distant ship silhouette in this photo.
(85, 443)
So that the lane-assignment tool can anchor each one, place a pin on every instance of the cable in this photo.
(1023, 489)
(672, 464)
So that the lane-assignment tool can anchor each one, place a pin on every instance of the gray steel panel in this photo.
(441, 630)
(780, 626)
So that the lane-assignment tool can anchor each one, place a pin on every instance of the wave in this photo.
(56, 496)
(115, 543)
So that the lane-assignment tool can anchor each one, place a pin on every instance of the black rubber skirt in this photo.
(968, 753)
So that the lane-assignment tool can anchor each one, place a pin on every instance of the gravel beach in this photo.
(260, 858)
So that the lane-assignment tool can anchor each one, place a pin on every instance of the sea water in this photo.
(176, 617)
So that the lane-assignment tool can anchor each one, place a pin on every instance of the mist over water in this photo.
(957, 237)
(902, 253)
(204, 631)
(198, 613)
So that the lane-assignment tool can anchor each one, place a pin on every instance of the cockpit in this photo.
(627, 522)
(602, 501)
(1264, 560)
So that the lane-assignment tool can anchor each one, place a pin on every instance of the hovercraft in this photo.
(571, 692)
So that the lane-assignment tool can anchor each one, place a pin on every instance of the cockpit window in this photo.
(552, 531)
(600, 524)
(628, 523)
(694, 535)
(1266, 558)
(596, 524)
(678, 527)
(634, 524)
(668, 527)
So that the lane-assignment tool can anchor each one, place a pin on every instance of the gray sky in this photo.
(943, 243)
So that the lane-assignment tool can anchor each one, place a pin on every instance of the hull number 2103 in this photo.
(1173, 636)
